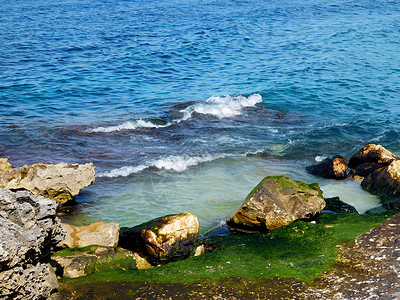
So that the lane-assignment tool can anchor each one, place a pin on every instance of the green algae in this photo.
(301, 250)
(73, 251)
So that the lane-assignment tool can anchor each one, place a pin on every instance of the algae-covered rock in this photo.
(77, 262)
(100, 233)
(336, 205)
(169, 237)
(4, 165)
(61, 182)
(384, 182)
(334, 168)
(277, 201)
(29, 230)
(372, 154)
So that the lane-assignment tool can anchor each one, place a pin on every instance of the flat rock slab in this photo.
(61, 182)
(100, 233)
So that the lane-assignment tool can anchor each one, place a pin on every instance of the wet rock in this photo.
(61, 182)
(334, 204)
(84, 261)
(4, 165)
(100, 233)
(372, 154)
(370, 269)
(384, 182)
(29, 230)
(363, 170)
(334, 168)
(275, 202)
(170, 237)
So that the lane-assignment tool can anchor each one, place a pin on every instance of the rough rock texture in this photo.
(4, 165)
(170, 237)
(334, 204)
(275, 202)
(29, 229)
(370, 269)
(384, 182)
(363, 170)
(372, 154)
(334, 168)
(100, 233)
(85, 261)
(61, 182)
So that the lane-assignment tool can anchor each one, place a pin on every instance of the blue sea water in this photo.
(187, 105)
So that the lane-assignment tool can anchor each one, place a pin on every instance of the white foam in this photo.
(174, 163)
(128, 126)
(320, 158)
(222, 107)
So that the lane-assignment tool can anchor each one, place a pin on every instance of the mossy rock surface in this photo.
(301, 250)
(277, 201)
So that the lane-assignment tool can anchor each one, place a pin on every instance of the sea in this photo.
(187, 105)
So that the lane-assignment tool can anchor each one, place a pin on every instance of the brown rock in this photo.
(4, 165)
(334, 168)
(275, 202)
(384, 182)
(100, 233)
(169, 237)
(61, 182)
(363, 170)
(372, 154)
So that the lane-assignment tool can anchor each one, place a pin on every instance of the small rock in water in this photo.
(334, 168)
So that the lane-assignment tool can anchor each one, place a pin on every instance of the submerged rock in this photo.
(384, 182)
(334, 204)
(61, 182)
(170, 237)
(277, 201)
(334, 168)
(29, 230)
(84, 261)
(100, 233)
(372, 154)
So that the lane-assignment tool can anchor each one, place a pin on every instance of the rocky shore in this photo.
(295, 239)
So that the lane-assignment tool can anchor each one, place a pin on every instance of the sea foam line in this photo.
(221, 107)
(174, 163)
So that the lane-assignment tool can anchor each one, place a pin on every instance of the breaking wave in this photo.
(221, 107)
(174, 163)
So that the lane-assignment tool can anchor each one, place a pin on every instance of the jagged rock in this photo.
(372, 154)
(29, 230)
(100, 233)
(334, 204)
(384, 182)
(334, 168)
(81, 262)
(363, 170)
(277, 201)
(170, 237)
(61, 182)
(4, 165)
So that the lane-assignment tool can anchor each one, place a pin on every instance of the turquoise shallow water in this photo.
(167, 98)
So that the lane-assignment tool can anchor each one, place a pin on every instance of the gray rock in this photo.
(277, 201)
(29, 229)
